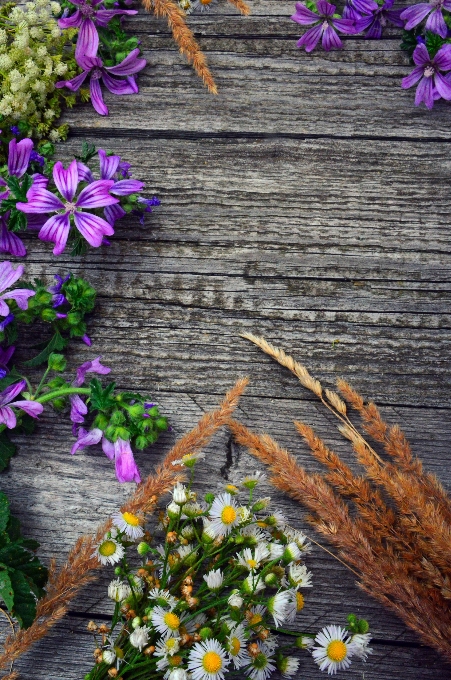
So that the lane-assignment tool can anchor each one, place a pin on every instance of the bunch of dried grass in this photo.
(81, 567)
(184, 37)
(391, 525)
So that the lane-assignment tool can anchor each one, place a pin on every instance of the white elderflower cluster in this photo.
(34, 54)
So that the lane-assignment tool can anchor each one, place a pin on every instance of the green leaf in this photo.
(28, 424)
(7, 450)
(57, 343)
(24, 599)
(4, 511)
(12, 377)
(6, 590)
(101, 398)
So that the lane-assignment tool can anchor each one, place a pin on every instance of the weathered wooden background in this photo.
(308, 201)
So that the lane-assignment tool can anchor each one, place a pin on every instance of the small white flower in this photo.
(128, 523)
(177, 674)
(140, 637)
(288, 666)
(277, 519)
(262, 665)
(188, 532)
(297, 537)
(109, 656)
(262, 503)
(109, 551)
(252, 560)
(253, 534)
(173, 510)
(187, 551)
(291, 553)
(334, 650)
(208, 533)
(282, 606)
(276, 551)
(166, 622)
(360, 642)
(251, 481)
(243, 514)
(118, 590)
(252, 584)
(167, 647)
(256, 615)
(224, 514)
(163, 598)
(214, 579)
(236, 645)
(192, 510)
(235, 600)
(137, 584)
(208, 660)
(299, 576)
(305, 642)
(189, 459)
(179, 494)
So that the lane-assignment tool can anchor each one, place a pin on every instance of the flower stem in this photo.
(64, 391)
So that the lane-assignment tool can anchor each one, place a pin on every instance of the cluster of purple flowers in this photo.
(432, 70)
(118, 79)
(76, 194)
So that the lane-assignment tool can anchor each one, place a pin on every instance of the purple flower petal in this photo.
(442, 86)
(304, 16)
(131, 64)
(87, 41)
(436, 23)
(92, 228)
(344, 26)
(97, 97)
(108, 448)
(421, 55)
(125, 187)
(330, 40)
(412, 78)
(325, 9)
(310, 38)
(78, 409)
(87, 439)
(424, 93)
(36, 221)
(108, 164)
(84, 173)
(73, 21)
(9, 275)
(103, 16)
(93, 366)
(11, 392)
(96, 195)
(33, 408)
(41, 201)
(415, 14)
(395, 17)
(119, 86)
(66, 180)
(364, 6)
(20, 295)
(73, 84)
(443, 58)
(113, 213)
(19, 156)
(56, 229)
(7, 417)
(126, 469)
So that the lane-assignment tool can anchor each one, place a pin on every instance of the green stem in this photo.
(63, 392)
(38, 389)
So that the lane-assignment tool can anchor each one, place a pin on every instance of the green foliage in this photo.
(356, 625)
(22, 576)
(409, 41)
(434, 43)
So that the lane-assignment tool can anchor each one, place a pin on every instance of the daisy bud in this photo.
(108, 656)
(232, 489)
(291, 553)
(173, 510)
(271, 580)
(209, 498)
(205, 633)
(261, 504)
(136, 622)
(235, 600)
(143, 548)
(179, 494)
(304, 642)
(288, 666)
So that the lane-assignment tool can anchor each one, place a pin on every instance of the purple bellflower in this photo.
(8, 277)
(58, 297)
(94, 67)
(110, 169)
(354, 9)
(18, 160)
(119, 451)
(326, 26)
(433, 11)
(432, 84)
(5, 358)
(78, 408)
(86, 17)
(57, 227)
(374, 24)
(7, 415)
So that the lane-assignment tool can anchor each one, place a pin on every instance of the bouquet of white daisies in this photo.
(217, 593)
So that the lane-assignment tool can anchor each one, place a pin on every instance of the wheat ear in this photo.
(239, 4)
(184, 38)
(81, 566)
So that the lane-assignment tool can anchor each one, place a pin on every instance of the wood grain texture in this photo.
(308, 202)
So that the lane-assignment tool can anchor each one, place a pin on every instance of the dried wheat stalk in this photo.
(80, 567)
(184, 38)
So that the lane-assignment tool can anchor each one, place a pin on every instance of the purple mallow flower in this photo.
(432, 84)
(93, 366)
(86, 17)
(119, 451)
(18, 160)
(58, 297)
(8, 277)
(374, 24)
(94, 67)
(435, 22)
(354, 9)
(57, 227)
(10, 242)
(326, 26)
(7, 415)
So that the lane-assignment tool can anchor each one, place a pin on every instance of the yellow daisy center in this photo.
(255, 618)
(299, 601)
(235, 646)
(212, 662)
(228, 514)
(170, 644)
(175, 660)
(336, 650)
(131, 519)
(171, 620)
(252, 563)
(107, 548)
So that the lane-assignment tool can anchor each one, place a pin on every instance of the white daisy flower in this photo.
(360, 642)
(288, 666)
(188, 532)
(187, 551)
(334, 650)
(305, 642)
(163, 598)
(173, 510)
(255, 615)
(176, 674)
(109, 551)
(224, 514)
(291, 553)
(235, 600)
(236, 645)
(192, 509)
(251, 481)
(140, 637)
(187, 7)
(282, 606)
(214, 579)
(208, 660)
(137, 584)
(118, 590)
(277, 519)
(179, 494)
(253, 534)
(262, 664)
(252, 584)
(128, 523)
(189, 459)
(299, 576)
(252, 560)
(297, 537)
(166, 622)
(109, 656)
(208, 534)
(167, 647)
(276, 551)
